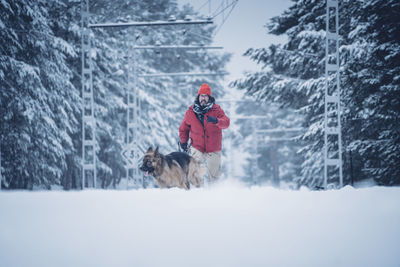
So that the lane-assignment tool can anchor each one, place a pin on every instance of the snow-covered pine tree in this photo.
(371, 77)
(64, 19)
(294, 78)
(35, 99)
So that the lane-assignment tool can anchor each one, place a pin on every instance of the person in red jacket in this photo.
(203, 124)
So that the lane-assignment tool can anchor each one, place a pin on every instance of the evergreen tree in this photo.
(35, 96)
(64, 20)
(294, 77)
(371, 52)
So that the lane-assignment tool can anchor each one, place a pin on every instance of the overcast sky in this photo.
(243, 29)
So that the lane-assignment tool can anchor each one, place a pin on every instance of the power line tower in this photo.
(332, 123)
(131, 151)
(274, 137)
(133, 135)
(255, 124)
(88, 119)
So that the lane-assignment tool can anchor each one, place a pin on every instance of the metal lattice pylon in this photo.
(88, 119)
(133, 135)
(332, 125)
(131, 151)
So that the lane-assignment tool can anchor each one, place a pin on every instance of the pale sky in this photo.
(243, 29)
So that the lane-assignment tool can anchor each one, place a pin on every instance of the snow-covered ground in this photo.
(225, 225)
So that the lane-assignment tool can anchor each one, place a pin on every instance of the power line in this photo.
(203, 5)
(228, 6)
(184, 74)
(149, 23)
(232, 5)
(188, 47)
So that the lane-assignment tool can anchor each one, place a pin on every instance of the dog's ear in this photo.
(149, 150)
(156, 151)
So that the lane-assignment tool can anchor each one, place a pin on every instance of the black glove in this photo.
(184, 147)
(212, 119)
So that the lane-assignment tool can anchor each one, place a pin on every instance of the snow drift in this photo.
(225, 225)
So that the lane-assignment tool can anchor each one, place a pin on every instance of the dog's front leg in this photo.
(161, 183)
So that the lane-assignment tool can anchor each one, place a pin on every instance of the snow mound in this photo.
(227, 224)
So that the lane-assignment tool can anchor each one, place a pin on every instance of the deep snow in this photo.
(224, 225)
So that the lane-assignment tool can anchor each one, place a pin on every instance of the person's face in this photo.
(203, 99)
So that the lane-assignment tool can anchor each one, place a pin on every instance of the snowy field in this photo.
(226, 225)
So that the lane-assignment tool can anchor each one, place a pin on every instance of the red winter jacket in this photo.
(207, 138)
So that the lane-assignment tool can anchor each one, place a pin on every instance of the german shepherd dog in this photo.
(176, 169)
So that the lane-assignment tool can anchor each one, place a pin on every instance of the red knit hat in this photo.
(204, 90)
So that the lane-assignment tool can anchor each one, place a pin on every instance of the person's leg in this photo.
(200, 158)
(214, 166)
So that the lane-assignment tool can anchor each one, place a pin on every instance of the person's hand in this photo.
(212, 119)
(184, 147)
